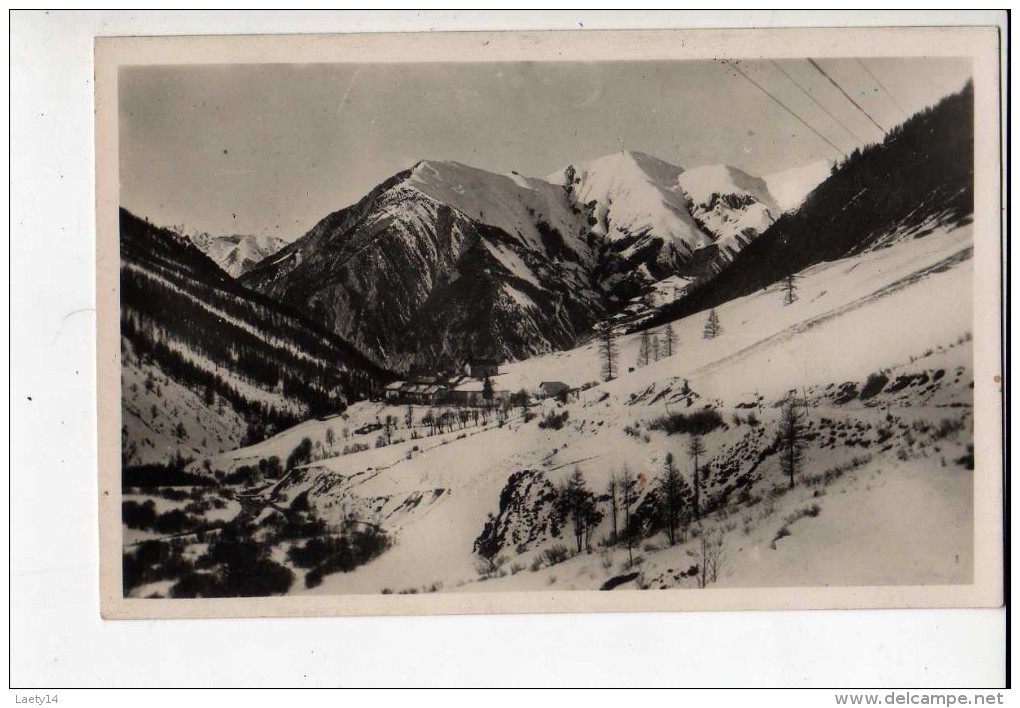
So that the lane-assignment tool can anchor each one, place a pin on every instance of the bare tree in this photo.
(695, 448)
(791, 437)
(612, 489)
(712, 327)
(709, 553)
(330, 438)
(608, 352)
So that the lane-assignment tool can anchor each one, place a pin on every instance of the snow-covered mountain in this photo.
(734, 206)
(237, 253)
(442, 261)
(445, 260)
(633, 200)
(791, 186)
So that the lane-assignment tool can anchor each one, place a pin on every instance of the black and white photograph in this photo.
(656, 329)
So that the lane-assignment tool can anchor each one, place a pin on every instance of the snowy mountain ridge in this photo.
(454, 261)
(237, 253)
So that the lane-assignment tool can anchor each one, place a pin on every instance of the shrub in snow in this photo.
(873, 386)
(696, 423)
(556, 554)
(553, 420)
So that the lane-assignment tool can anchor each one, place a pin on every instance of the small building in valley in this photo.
(552, 389)
(480, 368)
(469, 391)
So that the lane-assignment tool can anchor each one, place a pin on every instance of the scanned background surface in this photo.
(72, 607)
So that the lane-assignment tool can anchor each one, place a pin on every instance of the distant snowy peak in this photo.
(525, 208)
(627, 165)
(790, 187)
(634, 198)
(732, 205)
(706, 184)
(237, 253)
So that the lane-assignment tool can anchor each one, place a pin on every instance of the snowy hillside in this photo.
(918, 181)
(208, 364)
(472, 506)
(163, 419)
(237, 253)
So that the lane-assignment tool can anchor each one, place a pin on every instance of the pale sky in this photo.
(274, 148)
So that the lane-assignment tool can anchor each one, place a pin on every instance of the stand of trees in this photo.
(576, 503)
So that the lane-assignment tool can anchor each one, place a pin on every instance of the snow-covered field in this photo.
(884, 495)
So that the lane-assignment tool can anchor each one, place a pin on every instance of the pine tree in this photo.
(791, 438)
(670, 338)
(608, 352)
(712, 327)
(695, 448)
(645, 349)
(789, 290)
(670, 502)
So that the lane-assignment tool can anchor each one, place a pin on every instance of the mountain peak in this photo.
(626, 164)
(433, 164)
(237, 253)
(700, 183)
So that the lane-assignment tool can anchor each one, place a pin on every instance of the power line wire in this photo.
(817, 103)
(887, 92)
(784, 107)
(833, 82)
